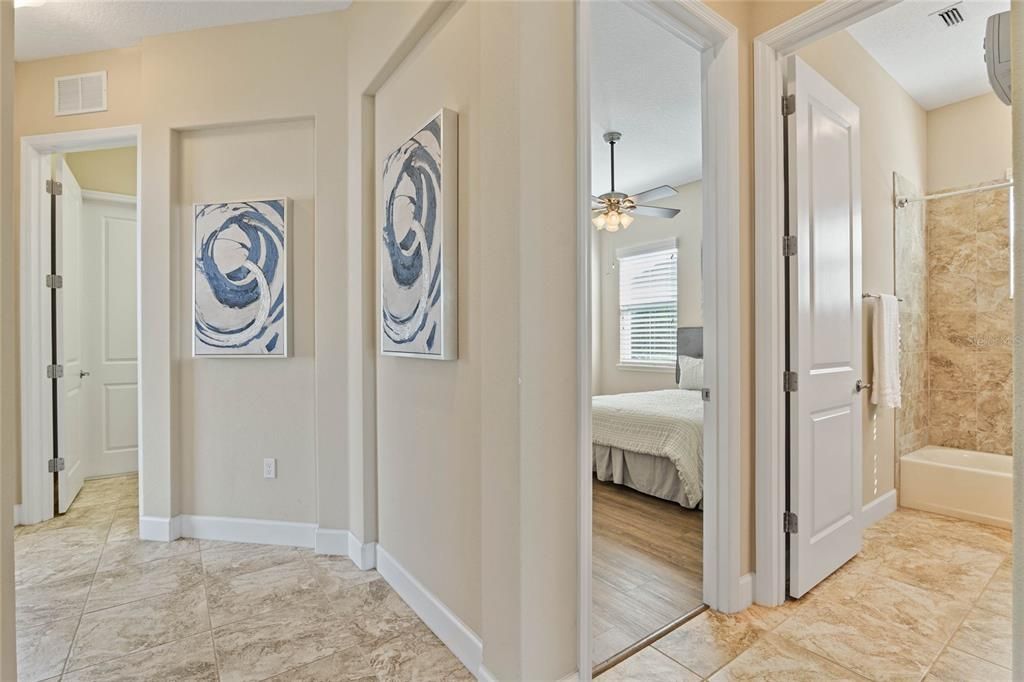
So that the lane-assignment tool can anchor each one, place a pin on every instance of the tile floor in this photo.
(96, 603)
(928, 598)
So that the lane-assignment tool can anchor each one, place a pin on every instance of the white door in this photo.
(110, 331)
(69, 342)
(823, 140)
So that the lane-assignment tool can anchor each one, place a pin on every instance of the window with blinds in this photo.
(647, 305)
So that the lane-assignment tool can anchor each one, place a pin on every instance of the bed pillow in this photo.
(691, 373)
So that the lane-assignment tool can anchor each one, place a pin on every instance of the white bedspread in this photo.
(667, 423)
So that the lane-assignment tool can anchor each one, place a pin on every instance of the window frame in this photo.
(646, 249)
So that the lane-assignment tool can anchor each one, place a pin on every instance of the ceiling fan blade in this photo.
(654, 194)
(655, 211)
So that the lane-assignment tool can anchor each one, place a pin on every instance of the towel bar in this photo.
(877, 296)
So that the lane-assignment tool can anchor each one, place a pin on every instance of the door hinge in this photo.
(55, 188)
(54, 281)
(789, 382)
(789, 522)
(54, 371)
(789, 245)
(55, 464)
(788, 105)
(705, 394)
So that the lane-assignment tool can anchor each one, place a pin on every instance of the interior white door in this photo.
(70, 394)
(823, 141)
(110, 331)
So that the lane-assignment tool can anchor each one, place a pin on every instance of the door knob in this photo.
(82, 375)
(861, 385)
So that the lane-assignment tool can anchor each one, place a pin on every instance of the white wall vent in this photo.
(950, 16)
(82, 93)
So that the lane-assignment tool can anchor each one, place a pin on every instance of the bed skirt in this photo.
(647, 474)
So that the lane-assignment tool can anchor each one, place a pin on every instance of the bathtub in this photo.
(977, 486)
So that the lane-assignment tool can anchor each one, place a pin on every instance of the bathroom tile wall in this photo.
(970, 321)
(912, 287)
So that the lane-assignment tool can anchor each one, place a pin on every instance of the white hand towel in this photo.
(885, 383)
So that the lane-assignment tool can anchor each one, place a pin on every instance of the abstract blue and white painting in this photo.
(419, 257)
(240, 285)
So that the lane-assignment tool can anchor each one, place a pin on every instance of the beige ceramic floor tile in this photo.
(649, 665)
(709, 641)
(61, 598)
(231, 560)
(278, 641)
(998, 595)
(126, 629)
(345, 666)
(117, 554)
(187, 660)
(43, 649)
(859, 642)
(375, 610)
(124, 527)
(416, 655)
(140, 581)
(248, 594)
(775, 658)
(956, 666)
(928, 613)
(986, 635)
(337, 573)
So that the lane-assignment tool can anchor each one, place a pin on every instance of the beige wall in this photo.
(8, 332)
(685, 228)
(969, 142)
(893, 138)
(233, 413)
(428, 412)
(105, 170)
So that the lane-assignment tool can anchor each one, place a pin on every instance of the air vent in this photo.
(82, 93)
(950, 16)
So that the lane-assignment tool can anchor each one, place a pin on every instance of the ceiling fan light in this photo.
(599, 221)
(626, 220)
(611, 228)
(613, 219)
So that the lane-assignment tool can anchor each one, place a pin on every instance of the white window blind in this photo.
(647, 304)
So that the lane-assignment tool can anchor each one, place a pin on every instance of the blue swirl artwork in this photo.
(417, 281)
(240, 297)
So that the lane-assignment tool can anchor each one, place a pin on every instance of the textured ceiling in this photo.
(645, 84)
(62, 27)
(936, 65)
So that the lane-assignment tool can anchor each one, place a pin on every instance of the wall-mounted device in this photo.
(997, 55)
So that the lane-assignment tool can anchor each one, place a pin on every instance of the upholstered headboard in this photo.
(690, 342)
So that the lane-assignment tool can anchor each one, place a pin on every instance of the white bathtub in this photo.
(977, 486)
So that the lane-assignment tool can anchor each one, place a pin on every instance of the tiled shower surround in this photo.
(958, 373)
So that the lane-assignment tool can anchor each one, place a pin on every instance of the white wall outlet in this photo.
(270, 468)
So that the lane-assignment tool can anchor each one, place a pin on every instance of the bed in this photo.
(653, 441)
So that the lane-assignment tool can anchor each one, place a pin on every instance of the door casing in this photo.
(34, 302)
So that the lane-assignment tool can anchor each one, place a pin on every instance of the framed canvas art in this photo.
(419, 250)
(240, 279)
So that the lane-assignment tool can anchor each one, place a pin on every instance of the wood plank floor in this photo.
(648, 567)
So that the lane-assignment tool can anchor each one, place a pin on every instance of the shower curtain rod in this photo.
(903, 201)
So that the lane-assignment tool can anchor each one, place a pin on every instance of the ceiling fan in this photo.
(613, 210)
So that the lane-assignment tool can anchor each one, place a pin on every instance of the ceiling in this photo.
(645, 83)
(63, 27)
(935, 64)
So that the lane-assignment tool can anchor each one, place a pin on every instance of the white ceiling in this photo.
(62, 27)
(645, 84)
(935, 64)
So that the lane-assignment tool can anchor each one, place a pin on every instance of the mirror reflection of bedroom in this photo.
(647, 336)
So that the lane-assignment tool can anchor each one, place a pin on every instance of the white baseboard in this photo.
(485, 675)
(258, 531)
(745, 591)
(345, 543)
(17, 515)
(462, 641)
(877, 509)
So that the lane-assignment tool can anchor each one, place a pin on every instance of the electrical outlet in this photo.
(270, 468)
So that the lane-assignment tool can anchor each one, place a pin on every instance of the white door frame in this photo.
(34, 301)
(770, 50)
(700, 27)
